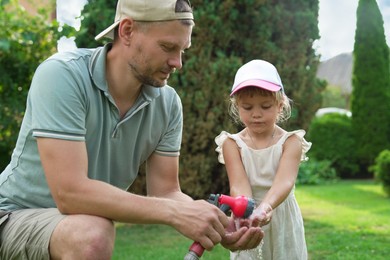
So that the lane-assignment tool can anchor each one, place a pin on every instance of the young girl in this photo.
(262, 161)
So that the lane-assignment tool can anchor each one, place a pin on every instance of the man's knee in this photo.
(99, 240)
(97, 247)
(83, 237)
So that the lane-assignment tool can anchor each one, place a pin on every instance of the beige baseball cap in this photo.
(145, 10)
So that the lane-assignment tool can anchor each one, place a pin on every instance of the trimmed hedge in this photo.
(381, 170)
(332, 139)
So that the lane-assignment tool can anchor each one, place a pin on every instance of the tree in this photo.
(227, 34)
(370, 101)
(25, 41)
(97, 15)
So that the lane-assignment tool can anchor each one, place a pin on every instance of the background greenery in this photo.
(343, 219)
(227, 34)
(25, 41)
(223, 39)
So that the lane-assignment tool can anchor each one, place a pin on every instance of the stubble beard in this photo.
(145, 77)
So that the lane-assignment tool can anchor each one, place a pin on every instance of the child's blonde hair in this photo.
(280, 98)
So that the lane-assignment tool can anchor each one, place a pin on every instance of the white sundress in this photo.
(284, 235)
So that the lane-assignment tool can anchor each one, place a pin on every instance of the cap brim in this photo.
(108, 32)
(256, 83)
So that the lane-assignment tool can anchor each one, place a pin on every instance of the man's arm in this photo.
(162, 178)
(66, 168)
(165, 183)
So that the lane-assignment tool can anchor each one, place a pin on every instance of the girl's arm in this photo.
(238, 180)
(286, 174)
(239, 185)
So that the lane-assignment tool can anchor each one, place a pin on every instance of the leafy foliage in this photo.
(381, 170)
(315, 172)
(370, 102)
(332, 139)
(224, 38)
(227, 34)
(97, 15)
(25, 41)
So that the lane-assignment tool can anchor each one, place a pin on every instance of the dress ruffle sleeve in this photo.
(305, 144)
(219, 140)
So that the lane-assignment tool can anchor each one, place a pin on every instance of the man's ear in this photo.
(125, 30)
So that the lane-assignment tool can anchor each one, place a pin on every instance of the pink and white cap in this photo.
(257, 73)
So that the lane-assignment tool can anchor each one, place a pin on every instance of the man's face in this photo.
(157, 51)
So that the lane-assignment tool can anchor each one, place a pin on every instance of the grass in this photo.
(345, 220)
(146, 242)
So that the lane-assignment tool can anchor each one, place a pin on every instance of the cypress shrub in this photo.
(370, 100)
(228, 34)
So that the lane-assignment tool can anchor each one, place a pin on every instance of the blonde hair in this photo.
(279, 96)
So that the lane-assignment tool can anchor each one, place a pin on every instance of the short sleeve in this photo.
(170, 142)
(58, 104)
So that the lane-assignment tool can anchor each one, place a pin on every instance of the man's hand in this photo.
(201, 222)
(247, 235)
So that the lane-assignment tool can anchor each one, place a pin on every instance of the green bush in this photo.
(25, 40)
(381, 170)
(316, 172)
(332, 139)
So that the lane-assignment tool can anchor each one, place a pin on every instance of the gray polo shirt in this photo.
(69, 100)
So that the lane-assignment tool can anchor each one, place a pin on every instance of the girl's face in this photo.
(257, 112)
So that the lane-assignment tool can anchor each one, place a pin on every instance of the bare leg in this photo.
(83, 237)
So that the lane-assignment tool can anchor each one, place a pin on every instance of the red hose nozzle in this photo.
(241, 206)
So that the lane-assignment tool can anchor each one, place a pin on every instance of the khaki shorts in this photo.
(27, 232)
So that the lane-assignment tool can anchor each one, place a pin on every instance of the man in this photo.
(93, 117)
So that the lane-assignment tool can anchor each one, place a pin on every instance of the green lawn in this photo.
(346, 220)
